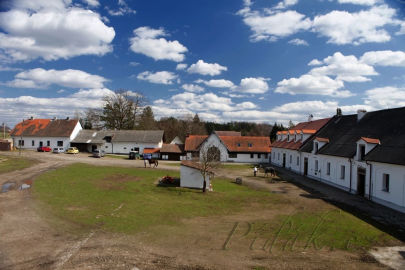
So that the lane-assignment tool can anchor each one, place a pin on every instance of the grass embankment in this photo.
(8, 164)
(117, 156)
(89, 196)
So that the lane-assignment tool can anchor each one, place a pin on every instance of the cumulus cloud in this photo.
(192, 88)
(160, 77)
(121, 10)
(181, 66)
(150, 42)
(385, 97)
(298, 42)
(272, 24)
(204, 68)
(221, 83)
(315, 62)
(42, 78)
(93, 3)
(384, 58)
(252, 86)
(52, 30)
(360, 2)
(345, 68)
(342, 27)
(312, 85)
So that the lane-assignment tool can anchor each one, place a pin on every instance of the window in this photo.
(251, 155)
(108, 139)
(250, 144)
(106, 146)
(33, 143)
(295, 137)
(342, 172)
(48, 143)
(259, 155)
(386, 182)
(290, 159)
(298, 161)
(328, 168)
(238, 144)
(316, 147)
(125, 148)
(362, 151)
(278, 156)
(302, 137)
(60, 143)
(288, 137)
(316, 165)
(233, 155)
(266, 156)
(21, 142)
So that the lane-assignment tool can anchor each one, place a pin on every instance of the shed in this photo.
(5, 145)
(190, 175)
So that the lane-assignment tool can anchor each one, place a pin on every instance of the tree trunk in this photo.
(204, 185)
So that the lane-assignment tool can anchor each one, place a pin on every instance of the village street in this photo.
(29, 242)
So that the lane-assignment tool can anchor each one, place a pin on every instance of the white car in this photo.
(58, 150)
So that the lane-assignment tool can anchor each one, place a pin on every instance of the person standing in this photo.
(255, 171)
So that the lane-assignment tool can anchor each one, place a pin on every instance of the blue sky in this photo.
(236, 60)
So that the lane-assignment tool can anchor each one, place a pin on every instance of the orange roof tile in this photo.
(172, 148)
(308, 131)
(45, 128)
(193, 142)
(247, 144)
(284, 132)
(320, 139)
(151, 150)
(371, 140)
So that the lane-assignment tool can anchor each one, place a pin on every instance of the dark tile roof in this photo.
(388, 126)
(139, 136)
(172, 148)
(44, 128)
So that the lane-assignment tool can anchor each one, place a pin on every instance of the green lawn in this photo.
(88, 195)
(117, 156)
(8, 164)
(237, 166)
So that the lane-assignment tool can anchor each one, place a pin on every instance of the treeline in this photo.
(123, 111)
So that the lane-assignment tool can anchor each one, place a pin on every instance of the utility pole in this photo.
(4, 130)
(20, 144)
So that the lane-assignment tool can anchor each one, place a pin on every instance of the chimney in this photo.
(360, 114)
(31, 118)
(67, 118)
(310, 117)
(338, 112)
(54, 118)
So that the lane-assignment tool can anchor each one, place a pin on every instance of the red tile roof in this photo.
(44, 128)
(172, 148)
(249, 144)
(193, 142)
(371, 140)
(311, 125)
(151, 150)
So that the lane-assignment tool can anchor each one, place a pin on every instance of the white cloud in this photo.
(384, 58)
(272, 25)
(52, 30)
(315, 62)
(252, 86)
(204, 68)
(385, 97)
(298, 42)
(342, 27)
(123, 9)
(150, 42)
(181, 66)
(286, 3)
(221, 83)
(93, 3)
(360, 2)
(134, 64)
(42, 78)
(312, 85)
(192, 88)
(345, 68)
(246, 105)
(160, 77)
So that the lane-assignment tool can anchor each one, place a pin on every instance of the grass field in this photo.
(127, 200)
(117, 156)
(8, 164)
(88, 196)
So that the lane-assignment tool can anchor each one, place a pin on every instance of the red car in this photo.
(44, 149)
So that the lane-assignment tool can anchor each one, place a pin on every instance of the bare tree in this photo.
(121, 109)
(92, 119)
(210, 158)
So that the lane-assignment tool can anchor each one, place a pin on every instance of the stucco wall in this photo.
(192, 178)
(125, 147)
(53, 142)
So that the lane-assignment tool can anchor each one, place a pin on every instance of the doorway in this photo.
(361, 181)
(284, 160)
(305, 166)
(41, 144)
(93, 147)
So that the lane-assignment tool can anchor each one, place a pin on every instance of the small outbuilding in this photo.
(191, 177)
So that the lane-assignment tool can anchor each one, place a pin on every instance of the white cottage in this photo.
(230, 146)
(34, 133)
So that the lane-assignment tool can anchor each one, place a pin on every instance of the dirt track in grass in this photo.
(29, 241)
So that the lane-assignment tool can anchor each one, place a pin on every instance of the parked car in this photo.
(44, 149)
(72, 150)
(98, 153)
(58, 150)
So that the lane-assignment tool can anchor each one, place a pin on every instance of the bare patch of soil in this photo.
(116, 181)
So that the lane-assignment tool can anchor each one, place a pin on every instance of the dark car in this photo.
(98, 153)
(44, 149)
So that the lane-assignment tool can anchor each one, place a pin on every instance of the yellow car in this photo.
(72, 150)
